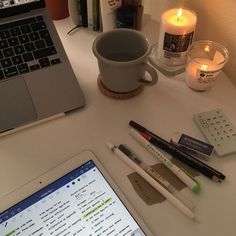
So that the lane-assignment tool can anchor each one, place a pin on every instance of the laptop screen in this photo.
(80, 203)
(14, 3)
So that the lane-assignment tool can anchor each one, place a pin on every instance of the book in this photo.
(138, 11)
(84, 13)
(90, 13)
(96, 15)
(108, 13)
(75, 11)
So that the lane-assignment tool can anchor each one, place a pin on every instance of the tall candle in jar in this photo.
(176, 35)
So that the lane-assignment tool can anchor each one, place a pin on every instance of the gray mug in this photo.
(122, 56)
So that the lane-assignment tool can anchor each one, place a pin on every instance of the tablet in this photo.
(77, 197)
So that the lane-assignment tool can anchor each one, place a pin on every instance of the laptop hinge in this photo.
(19, 9)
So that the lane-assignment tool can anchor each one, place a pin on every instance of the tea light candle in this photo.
(205, 61)
(176, 34)
(201, 73)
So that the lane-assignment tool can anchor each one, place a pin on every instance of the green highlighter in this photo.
(149, 143)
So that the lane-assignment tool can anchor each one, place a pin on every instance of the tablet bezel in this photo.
(60, 170)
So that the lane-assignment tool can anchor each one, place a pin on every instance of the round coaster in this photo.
(116, 95)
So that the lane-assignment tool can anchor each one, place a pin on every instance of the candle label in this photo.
(207, 77)
(176, 45)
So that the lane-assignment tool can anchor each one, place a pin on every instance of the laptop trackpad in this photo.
(16, 104)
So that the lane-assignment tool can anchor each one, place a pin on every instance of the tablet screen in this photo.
(80, 203)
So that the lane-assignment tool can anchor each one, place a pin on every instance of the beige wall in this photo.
(216, 22)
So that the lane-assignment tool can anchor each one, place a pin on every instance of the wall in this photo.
(216, 22)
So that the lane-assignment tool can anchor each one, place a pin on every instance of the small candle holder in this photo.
(205, 60)
(176, 35)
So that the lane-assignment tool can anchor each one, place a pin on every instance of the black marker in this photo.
(180, 155)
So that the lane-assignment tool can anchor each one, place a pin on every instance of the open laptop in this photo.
(77, 197)
(36, 78)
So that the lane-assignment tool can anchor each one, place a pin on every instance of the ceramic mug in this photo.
(122, 56)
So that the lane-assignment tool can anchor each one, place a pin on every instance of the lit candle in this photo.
(205, 61)
(201, 73)
(176, 34)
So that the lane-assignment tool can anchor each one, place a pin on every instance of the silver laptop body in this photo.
(32, 90)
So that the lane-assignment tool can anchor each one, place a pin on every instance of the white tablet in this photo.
(75, 198)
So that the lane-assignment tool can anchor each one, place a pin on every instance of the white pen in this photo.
(170, 197)
(180, 173)
(154, 174)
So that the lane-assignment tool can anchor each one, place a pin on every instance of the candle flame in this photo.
(204, 67)
(207, 49)
(180, 12)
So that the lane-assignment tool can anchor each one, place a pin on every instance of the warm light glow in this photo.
(204, 67)
(180, 13)
(207, 49)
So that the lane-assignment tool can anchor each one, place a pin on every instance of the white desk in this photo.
(164, 108)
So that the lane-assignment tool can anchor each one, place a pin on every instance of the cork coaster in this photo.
(116, 95)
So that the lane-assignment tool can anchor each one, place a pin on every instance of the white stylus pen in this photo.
(154, 174)
(180, 173)
(171, 198)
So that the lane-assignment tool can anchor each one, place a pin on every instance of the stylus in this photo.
(170, 197)
(180, 173)
(154, 174)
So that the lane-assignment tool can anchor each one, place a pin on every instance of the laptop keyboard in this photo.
(25, 46)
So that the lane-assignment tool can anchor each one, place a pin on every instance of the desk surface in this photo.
(164, 108)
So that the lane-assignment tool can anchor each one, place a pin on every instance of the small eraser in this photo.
(192, 145)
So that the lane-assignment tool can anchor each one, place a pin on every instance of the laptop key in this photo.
(8, 52)
(6, 62)
(17, 59)
(34, 36)
(24, 38)
(13, 41)
(55, 61)
(44, 34)
(2, 75)
(10, 71)
(15, 31)
(1, 55)
(44, 52)
(29, 47)
(39, 18)
(28, 57)
(3, 44)
(44, 62)
(38, 26)
(23, 68)
(35, 67)
(25, 29)
(40, 44)
(4, 34)
(19, 49)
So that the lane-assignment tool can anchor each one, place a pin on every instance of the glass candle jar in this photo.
(205, 60)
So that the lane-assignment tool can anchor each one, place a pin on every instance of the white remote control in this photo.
(218, 130)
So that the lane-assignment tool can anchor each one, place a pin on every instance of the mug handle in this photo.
(152, 72)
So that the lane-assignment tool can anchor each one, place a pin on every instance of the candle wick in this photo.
(179, 19)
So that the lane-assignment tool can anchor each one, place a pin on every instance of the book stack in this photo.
(105, 15)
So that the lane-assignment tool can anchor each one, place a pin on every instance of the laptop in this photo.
(36, 78)
(77, 197)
